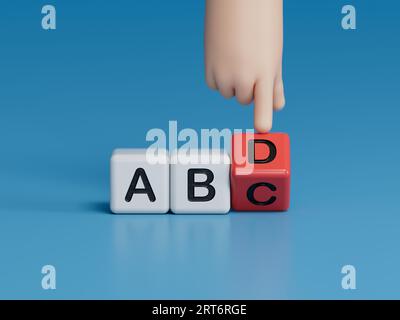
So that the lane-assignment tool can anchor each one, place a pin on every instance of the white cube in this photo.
(200, 181)
(139, 181)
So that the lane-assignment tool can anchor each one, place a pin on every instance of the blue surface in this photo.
(112, 71)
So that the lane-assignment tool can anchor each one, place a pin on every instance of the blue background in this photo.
(115, 69)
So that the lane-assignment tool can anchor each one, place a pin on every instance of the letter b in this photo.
(192, 185)
(200, 182)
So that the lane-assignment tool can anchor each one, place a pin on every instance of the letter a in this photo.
(140, 173)
(349, 20)
(49, 280)
(349, 280)
(49, 20)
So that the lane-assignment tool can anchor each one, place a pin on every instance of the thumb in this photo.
(263, 106)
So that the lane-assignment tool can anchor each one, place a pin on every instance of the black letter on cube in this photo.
(252, 189)
(147, 187)
(205, 184)
(251, 147)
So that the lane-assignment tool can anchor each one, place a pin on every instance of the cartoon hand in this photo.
(243, 51)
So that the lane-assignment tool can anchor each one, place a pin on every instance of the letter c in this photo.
(252, 189)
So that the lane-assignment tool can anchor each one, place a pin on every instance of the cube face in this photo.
(137, 184)
(260, 173)
(200, 182)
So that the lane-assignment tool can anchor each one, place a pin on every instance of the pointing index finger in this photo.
(263, 106)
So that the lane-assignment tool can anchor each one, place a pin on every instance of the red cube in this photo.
(260, 174)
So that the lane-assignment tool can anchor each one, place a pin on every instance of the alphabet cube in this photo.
(260, 173)
(139, 181)
(200, 182)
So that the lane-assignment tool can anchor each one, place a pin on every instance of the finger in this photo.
(210, 79)
(279, 95)
(244, 93)
(226, 89)
(263, 104)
